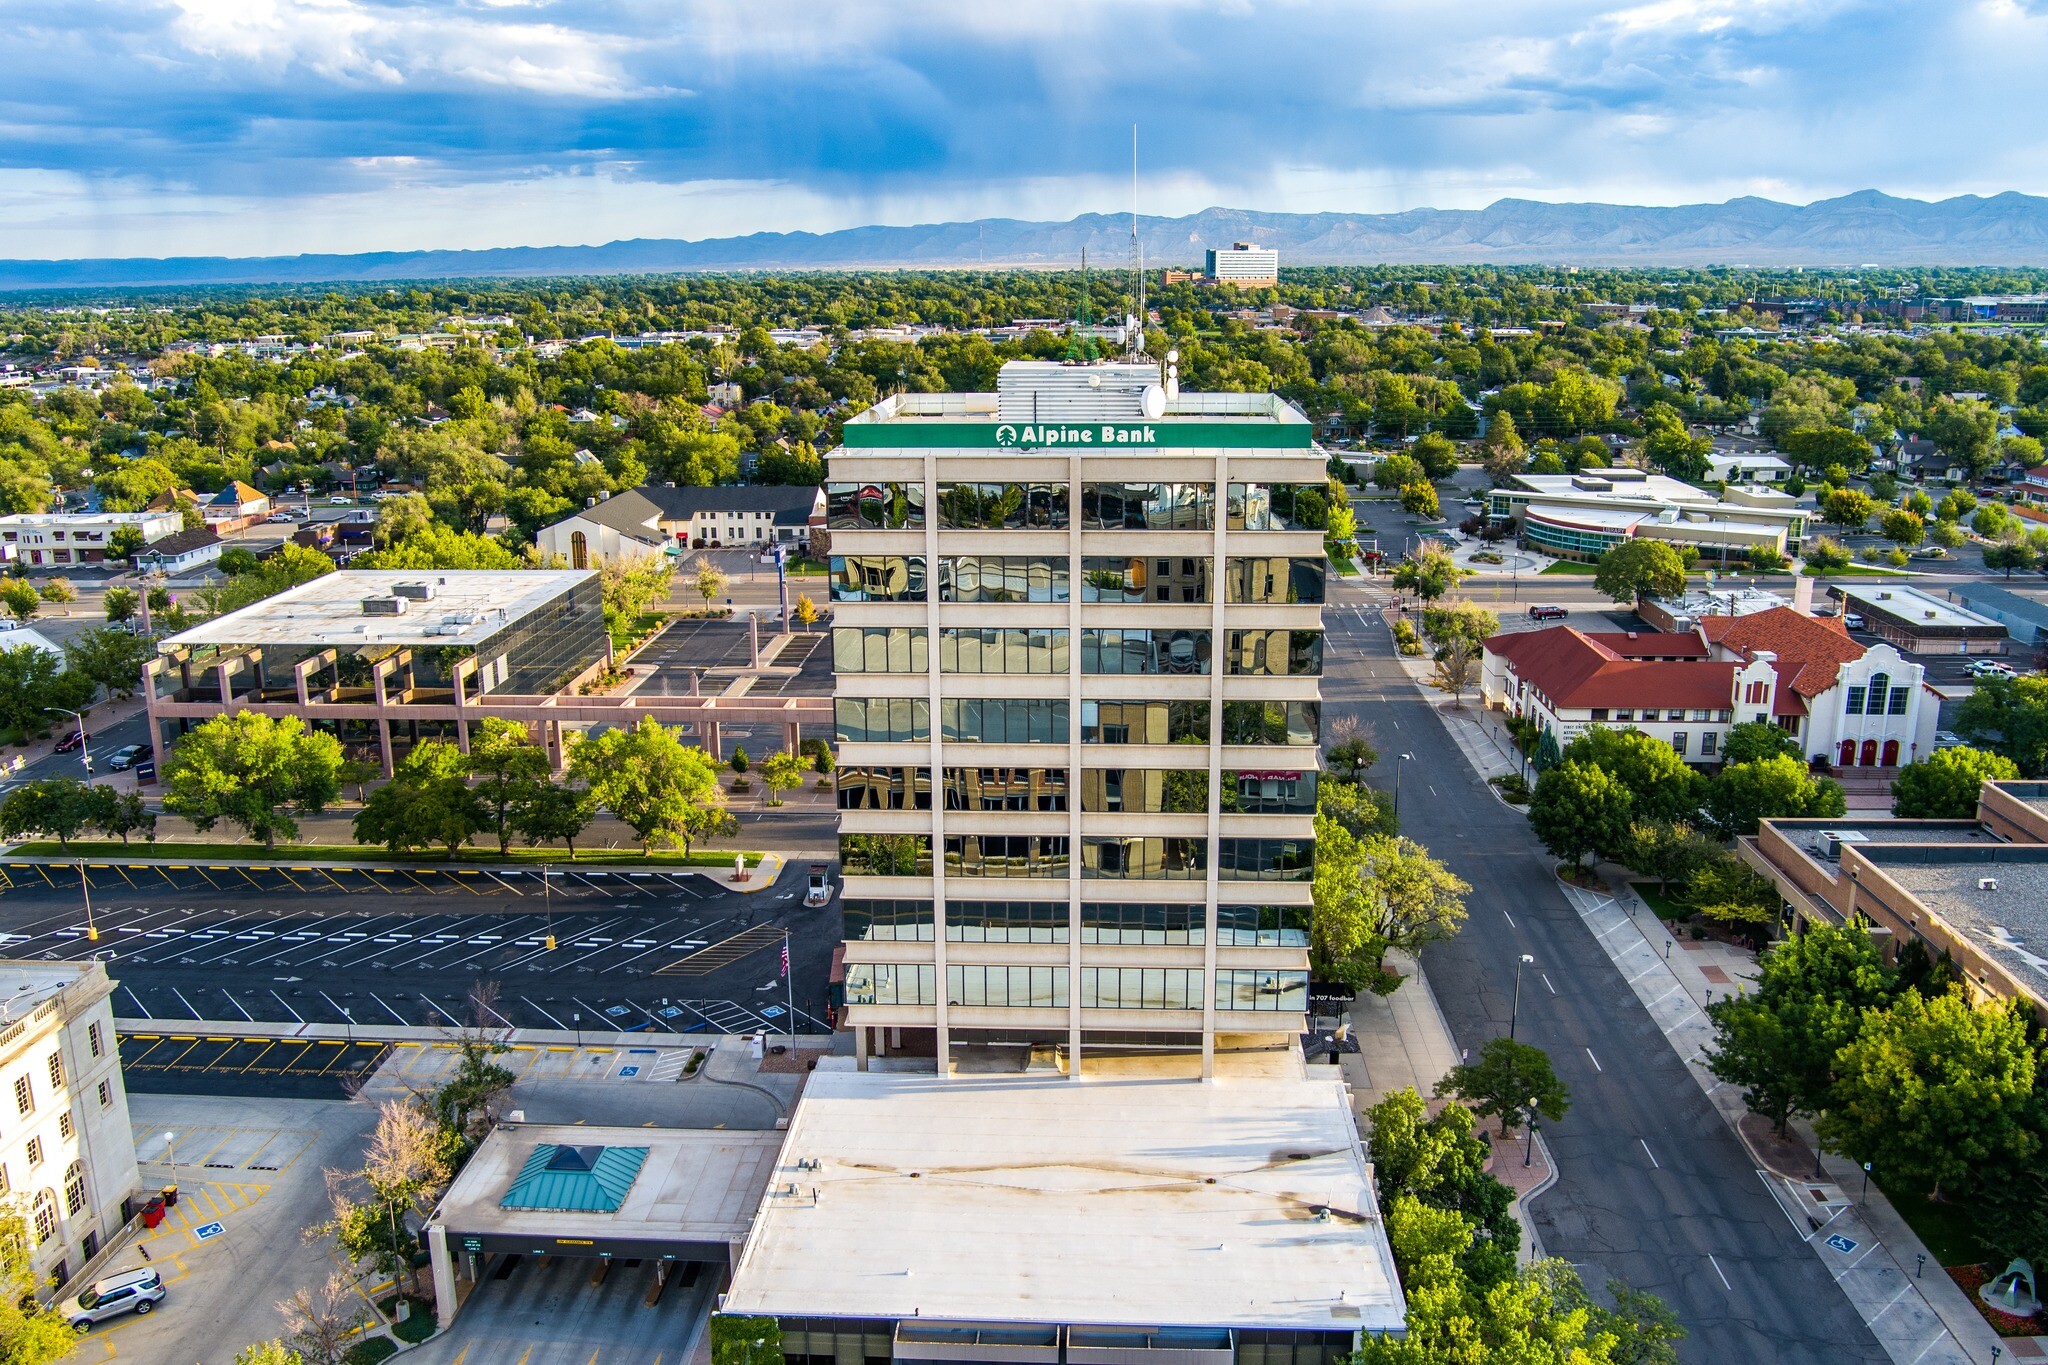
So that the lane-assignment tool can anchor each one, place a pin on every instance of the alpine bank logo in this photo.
(1009, 434)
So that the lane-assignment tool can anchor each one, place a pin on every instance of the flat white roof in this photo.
(1040, 1199)
(1921, 608)
(25, 984)
(468, 605)
(697, 1184)
(1625, 483)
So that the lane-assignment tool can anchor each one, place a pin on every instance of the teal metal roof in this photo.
(559, 1178)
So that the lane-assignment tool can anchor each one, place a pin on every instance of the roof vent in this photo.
(418, 592)
(1987, 883)
(384, 606)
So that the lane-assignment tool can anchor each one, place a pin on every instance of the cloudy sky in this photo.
(242, 127)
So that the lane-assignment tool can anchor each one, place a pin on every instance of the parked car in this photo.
(1853, 620)
(127, 1291)
(1992, 668)
(340, 500)
(123, 758)
(1547, 613)
(819, 890)
(280, 516)
(71, 741)
(1930, 552)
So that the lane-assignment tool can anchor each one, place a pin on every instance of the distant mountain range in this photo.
(1866, 228)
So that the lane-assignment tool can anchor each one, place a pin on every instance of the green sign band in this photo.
(924, 434)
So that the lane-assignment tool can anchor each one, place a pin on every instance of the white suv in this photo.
(129, 1291)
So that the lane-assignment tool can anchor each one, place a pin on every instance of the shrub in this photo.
(370, 1350)
(1513, 788)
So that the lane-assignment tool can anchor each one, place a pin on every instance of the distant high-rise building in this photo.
(1077, 636)
(1246, 265)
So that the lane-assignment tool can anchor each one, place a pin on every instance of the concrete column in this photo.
(444, 1275)
(860, 1048)
(792, 736)
(707, 738)
(384, 746)
(462, 735)
(754, 637)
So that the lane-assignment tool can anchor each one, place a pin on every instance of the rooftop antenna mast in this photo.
(1082, 347)
(1137, 327)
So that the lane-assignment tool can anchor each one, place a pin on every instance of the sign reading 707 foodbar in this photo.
(1263, 434)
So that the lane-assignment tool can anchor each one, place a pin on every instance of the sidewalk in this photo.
(1403, 1042)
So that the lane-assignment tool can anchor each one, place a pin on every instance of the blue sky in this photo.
(161, 127)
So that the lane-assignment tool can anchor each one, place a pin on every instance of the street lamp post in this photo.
(1529, 1153)
(84, 758)
(1515, 1010)
(171, 1141)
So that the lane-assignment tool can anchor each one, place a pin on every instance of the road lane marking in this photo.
(1717, 1270)
(1598, 1067)
(1650, 1154)
(1546, 982)
(1509, 918)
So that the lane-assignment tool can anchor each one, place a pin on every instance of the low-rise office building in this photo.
(1974, 889)
(388, 657)
(1582, 516)
(1850, 705)
(664, 519)
(1921, 623)
(66, 1149)
(1017, 1217)
(42, 539)
(2025, 618)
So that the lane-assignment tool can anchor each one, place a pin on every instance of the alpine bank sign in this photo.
(1038, 434)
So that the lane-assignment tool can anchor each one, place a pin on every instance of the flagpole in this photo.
(789, 979)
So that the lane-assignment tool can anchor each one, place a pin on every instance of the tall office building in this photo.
(1077, 713)
(1246, 264)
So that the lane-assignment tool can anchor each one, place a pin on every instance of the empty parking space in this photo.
(285, 1067)
(554, 1310)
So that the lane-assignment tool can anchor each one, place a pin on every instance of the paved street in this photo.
(1653, 1187)
(634, 951)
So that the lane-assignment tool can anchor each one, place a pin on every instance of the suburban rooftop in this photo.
(468, 606)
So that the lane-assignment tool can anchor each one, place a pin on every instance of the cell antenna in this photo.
(1137, 327)
(1082, 347)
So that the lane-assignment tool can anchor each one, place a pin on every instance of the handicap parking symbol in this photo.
(671, 1011)
(1845, 1245)
(206, 1232)
(772, 1012)
(615, 1010)
(629, 1071)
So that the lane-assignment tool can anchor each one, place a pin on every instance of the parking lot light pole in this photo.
(171, 1141)
(1515, 1010)
(1529, 1153)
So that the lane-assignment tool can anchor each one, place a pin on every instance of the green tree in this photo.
(1823, 555)
(1669, 850)
(1459, 620)
(1946, 534)
(1778, 1042)
(255, 772)
(552, 811)
(783, 772)
(268, 1353)
(1902, 528)
(1944, 785)
(1503, 1081)
(113, 659)
(1429, 575)
(1750, 740)
(125, 815)
(1957, 504)
(20, 598)
(119, 604)
(665, 792)
(1359, 809)
(510, 766)
(1640, 566)
(1419, 499)
(34, 685)
(32, 1332)
(1846, 507)
(1579, 809)
(1441, 1162)
(428, 802)
(1344, 940)
(1398, 471)
(1742, 794)
(63, 806)
(1726, 891)
(1660, 784)
(124, 541)
(1415, 899)
(1918, 503)
(1936, 1091)
(707, 578)
(2009, 716)
(1349, 758)
(1990, 519)
(2010, 555)
(1436, 454)
(805, 611)
(737, 1340)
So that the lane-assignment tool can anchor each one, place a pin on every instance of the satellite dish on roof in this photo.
(1153, 401)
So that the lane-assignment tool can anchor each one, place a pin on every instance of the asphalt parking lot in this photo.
(547, 1311)
(600, 951)
(284, 1068)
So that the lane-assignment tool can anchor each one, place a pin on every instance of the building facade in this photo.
(1077, 713)
(1921, 623)
(39, 539)
(1850, 705)
(1245, 264)
(66, 1150)
(663, 518)
(1582, 516)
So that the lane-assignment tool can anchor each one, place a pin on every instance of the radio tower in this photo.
(1082, 346)
(1137, 327)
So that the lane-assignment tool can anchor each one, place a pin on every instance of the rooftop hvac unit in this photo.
(1046, 391)
(384, 606)
(1828, 843)
(418, 592)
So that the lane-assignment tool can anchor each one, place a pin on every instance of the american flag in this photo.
(785, 954)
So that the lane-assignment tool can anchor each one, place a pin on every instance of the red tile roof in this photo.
(1650, 644)
(1575, 670)
(1811, 649)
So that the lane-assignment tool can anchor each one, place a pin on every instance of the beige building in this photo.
(66, 1150)
(1077, 713)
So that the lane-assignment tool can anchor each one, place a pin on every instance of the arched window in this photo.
(74, 1188)
(1880, 688)
(45, 1217)
(579, 550)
